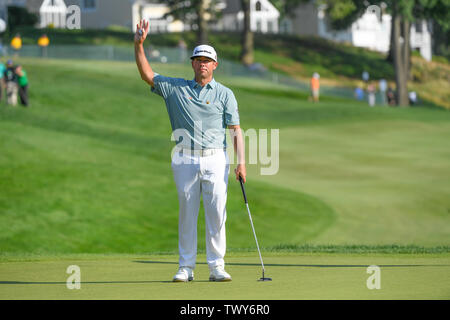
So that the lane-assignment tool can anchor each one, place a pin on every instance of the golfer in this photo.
(200, 110)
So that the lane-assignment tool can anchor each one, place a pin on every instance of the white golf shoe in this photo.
(218, 273)
(184, 274)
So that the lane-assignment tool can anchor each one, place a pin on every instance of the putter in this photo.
(254, 233)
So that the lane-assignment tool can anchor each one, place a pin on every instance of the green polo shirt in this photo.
(2, 70)
(23, 80)
(198, 115)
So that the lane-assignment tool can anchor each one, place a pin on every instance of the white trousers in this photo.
(197, 176)
(11, 93)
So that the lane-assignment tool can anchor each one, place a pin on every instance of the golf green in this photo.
(85, 181)
(296, 276)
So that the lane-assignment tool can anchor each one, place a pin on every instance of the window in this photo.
(258, 6)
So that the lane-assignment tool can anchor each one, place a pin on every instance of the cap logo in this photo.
(198, 51)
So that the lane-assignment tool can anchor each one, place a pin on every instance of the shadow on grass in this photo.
(82, 282)
(308, 265)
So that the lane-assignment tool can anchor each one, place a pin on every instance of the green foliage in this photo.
(110, 36)
(405, 8)
(441, 59)
(328, 58)
(18, 16)
(342, 14)
(188, 11)
(360, 249)
(438, 10)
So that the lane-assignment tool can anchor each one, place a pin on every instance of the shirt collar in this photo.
(209, 85)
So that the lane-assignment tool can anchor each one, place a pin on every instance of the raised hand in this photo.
(141, 32)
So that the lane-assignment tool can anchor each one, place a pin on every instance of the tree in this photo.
(196, 12)
(18, 16)
(247, 40)
(402, 16)
(404, 12)
(202, 24)
(343, 13)
(286, 7)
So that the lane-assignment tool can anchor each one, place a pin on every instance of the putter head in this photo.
(265, 279)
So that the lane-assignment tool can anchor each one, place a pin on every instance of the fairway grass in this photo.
(86, 169)
(296, 276)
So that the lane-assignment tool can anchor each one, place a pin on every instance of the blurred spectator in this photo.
(43, 43)
(365, 77)
(315, 87)
(371, 94)
(359, 93)
(153, 53)
(257, 68)
(390, 95)
(11, 83)
(412, 98)
(383, 87)
(22, 80)
(2, 80)
(16, 44)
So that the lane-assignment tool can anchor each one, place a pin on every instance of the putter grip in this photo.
(243, 189)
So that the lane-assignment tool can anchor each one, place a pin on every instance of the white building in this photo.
(101, 14)
(421, 39)
(370, 31)
(263, 17)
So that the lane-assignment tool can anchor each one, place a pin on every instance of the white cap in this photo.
(204, 51)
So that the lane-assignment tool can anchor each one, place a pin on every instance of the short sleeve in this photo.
(162, 85)
(231, 110)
